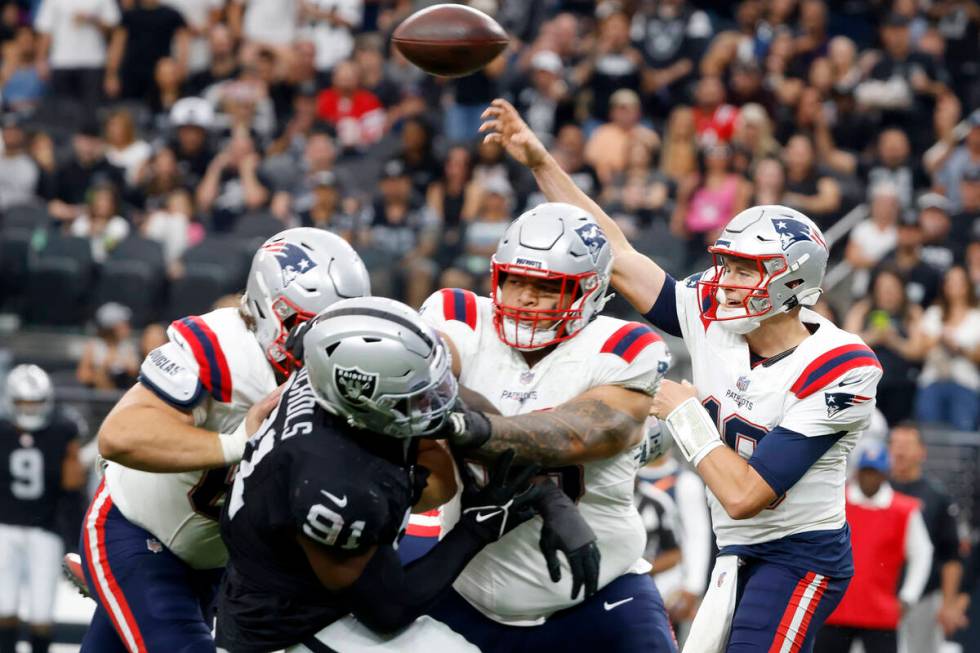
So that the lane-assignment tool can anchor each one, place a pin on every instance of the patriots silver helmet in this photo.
(294, 275)
(555, 242)
(29, 397)
(790, 255)
(375, 362)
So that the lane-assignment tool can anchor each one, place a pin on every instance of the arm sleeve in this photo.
(663, 315)
(918, 559)
(783, 456)
(692, 508)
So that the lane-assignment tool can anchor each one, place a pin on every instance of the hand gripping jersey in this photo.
(794, 417)
(305, 471)
(508, 580)
(214, 367)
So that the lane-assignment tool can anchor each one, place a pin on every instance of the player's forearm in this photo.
(574, 433)
(739, 488)
(950, 577)
(145, 438)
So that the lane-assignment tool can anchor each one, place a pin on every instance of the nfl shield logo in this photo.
(527, 376)
(742, 384)
(354, 384)
(153, 545)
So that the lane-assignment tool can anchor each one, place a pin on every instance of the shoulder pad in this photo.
(173, 375)
(200, 340)
(629, 340)
(457, 304)
(830, 366)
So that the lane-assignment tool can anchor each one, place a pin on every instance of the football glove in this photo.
(503, 503)
(566, 530)
(294, 341)
(465, 428)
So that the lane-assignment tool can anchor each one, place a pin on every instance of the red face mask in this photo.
(289, 315)
(767, 267)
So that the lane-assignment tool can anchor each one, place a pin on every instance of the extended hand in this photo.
(504, 503)
(671, 395)
(511, 132)
(258, 412)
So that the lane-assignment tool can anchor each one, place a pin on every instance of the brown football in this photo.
(449, 40)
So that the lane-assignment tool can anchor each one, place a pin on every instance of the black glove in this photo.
(566, 530)
(294, 341)
(503, 503)
(465, 428)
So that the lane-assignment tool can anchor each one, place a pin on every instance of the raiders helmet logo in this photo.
(354, 384)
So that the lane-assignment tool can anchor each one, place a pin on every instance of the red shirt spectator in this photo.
(714, 120)
(357, 114)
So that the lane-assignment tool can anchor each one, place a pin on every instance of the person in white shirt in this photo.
(72, 51)
(872, 239)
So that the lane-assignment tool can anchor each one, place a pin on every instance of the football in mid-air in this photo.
(449, 40)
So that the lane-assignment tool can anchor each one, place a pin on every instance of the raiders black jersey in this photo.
(306, 472)
(30, 471)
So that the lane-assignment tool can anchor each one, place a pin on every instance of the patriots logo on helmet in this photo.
(293, 261)
(355, 384)
(793, 231)
(593, 238)
(838, 401)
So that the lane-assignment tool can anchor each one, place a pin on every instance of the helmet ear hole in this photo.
(794, 283)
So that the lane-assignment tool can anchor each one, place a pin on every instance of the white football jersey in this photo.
(214, 367)
(508, 580)
(823, 391)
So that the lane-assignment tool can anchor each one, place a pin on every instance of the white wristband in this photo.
(233, 444)
(694, 432)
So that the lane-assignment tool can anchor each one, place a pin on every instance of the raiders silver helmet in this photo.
(29, 397)
(294, 275)
(551, 242)
(375, 362)
(790, 255)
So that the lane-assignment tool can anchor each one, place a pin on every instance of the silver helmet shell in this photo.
(29, 397)
(375, 362)
(790, 254)
(294, 275)
(552, 241)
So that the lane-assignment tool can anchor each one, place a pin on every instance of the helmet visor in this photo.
(421, 412)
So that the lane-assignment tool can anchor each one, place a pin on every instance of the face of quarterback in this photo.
(737, 275)
(535, 295)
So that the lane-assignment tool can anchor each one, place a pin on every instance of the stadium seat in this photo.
(59, 282)
(133, 283)
(257, 226)
(213, 268)
(15, 249)
(25, 216)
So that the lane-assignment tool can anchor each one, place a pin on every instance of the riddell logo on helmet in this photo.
(355, 384)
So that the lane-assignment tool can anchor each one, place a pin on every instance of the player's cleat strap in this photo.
(693, 430)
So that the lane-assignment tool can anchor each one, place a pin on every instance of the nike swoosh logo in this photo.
(341, 502)
(483, 516)
(609, 606)
(845, 382)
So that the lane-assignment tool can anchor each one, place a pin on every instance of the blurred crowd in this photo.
(169, 135)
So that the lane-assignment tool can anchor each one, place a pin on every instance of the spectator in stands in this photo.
(934, 212)
(224, 63)
(714, 118)
(922, 280)
(639, 194)
(354, 112)
(706, 201)
(949, 386)
(608, 147)
(20, 81)
(174, 227)
(65, 188)
(148, 32)
(808, 188)
(416, 152)
(331, 25)
(401, 98)
(613, 63)
(246, 105)
(264, 24)
(972, 259)
(400, 239)
(887, 535)
(893, 162)
(891, 325)
(293, 133)
(233, 184)
(123, 149)
(73, 47)
(679, 154)
(158, 178)
(546, 101)
(109, 360)
(191, 119)
(168, 88)
(941, 610)
(874, 237)
(768, 182)
(19, 173)
(293, 181)
(966, 222)
(100, 222)
(201, 18)
(493, 203)
(753, 132)
(327, 211)
(673, 35)
(747, 86)
(445, 197)
(470, 95)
